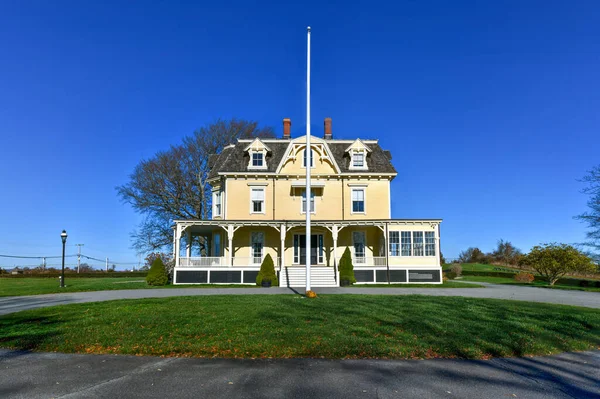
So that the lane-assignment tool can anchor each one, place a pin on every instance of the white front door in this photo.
(256, 248)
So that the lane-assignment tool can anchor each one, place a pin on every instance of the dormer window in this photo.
(358, 152)
(258, 159)
(358, 160)
(257, 151)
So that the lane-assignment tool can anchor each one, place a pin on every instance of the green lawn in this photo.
(36, 286)
(285, 326)
(480, 267)
(505, 280)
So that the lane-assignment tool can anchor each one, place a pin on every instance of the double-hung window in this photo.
(257, 200)
(217, 203)
(358, 200)
(429, 243)
(358, 160)
(417, 243)
(258, 242)
(406, 243)
(311, 159)
(312, 201)
(394, 243)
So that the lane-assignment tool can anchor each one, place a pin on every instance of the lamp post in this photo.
(63, 237)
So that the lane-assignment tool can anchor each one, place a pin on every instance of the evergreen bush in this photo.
(267, 272)
(346, 268)
(157, 274)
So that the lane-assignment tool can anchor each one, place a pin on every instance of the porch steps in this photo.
(296, 277)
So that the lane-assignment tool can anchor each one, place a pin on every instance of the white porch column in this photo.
(437, 244)
(334, 235)
(230, 232)
(177, 244)
(282, 234)
(188, 244)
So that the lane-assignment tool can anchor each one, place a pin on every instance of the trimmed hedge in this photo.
(76, 275)
(157, 275)
(569, 281)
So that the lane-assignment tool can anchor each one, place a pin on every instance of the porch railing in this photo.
(223, 261)
(252, 260)
(203, 261)
(367, 261)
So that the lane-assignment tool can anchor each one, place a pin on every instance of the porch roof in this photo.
(298, 223)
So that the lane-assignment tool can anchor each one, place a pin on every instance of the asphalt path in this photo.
(52, 375)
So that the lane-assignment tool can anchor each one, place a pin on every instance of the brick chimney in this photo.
(328, 135)
(287, 128)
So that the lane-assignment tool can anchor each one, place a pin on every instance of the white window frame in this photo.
(262, 242)
(264, 159)
(434, 243)
(410, 245)
(304, 158)
(264, 200)
(219, 194)
(364, 155)
(296, 249)
(398, 251)
(414, 244)
(364, 190)
(313, 200)
(354, 258)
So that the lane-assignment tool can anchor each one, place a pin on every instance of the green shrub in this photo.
(346, 268)
(157, 274)
(267, 272)
(451, 275)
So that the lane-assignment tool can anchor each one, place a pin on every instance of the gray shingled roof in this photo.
(234, 159)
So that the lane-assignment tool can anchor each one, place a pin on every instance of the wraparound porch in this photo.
(232, 245)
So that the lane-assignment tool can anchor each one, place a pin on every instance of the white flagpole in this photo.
(308, 163)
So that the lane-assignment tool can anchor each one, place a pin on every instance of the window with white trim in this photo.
(417, 243)
(257, 200)
(358, 160)
(312, 160)
(429, 243)
(358, 200)
(217, 195)
(312, 201)
(406, 243)
(257, 159)
(257, 244)
(394, 243)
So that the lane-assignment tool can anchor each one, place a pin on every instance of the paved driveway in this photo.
(46, 375)
(576, 298)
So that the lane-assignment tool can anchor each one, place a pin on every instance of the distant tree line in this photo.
(505, 254)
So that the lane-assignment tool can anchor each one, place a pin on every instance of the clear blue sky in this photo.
(491, 109)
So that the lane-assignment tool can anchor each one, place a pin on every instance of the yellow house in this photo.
(259, 206)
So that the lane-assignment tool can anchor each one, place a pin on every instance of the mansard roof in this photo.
(235, 158)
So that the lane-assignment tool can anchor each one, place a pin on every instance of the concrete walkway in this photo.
(46, 375)
(533, 294)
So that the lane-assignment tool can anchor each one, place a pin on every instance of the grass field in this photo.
(36, 286)
(285, 326)
(480, 267)
(510, 281)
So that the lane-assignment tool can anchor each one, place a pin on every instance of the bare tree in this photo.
(592, 217)
(173, 184)
(506, 253)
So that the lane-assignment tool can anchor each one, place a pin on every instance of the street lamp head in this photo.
(63, 236)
